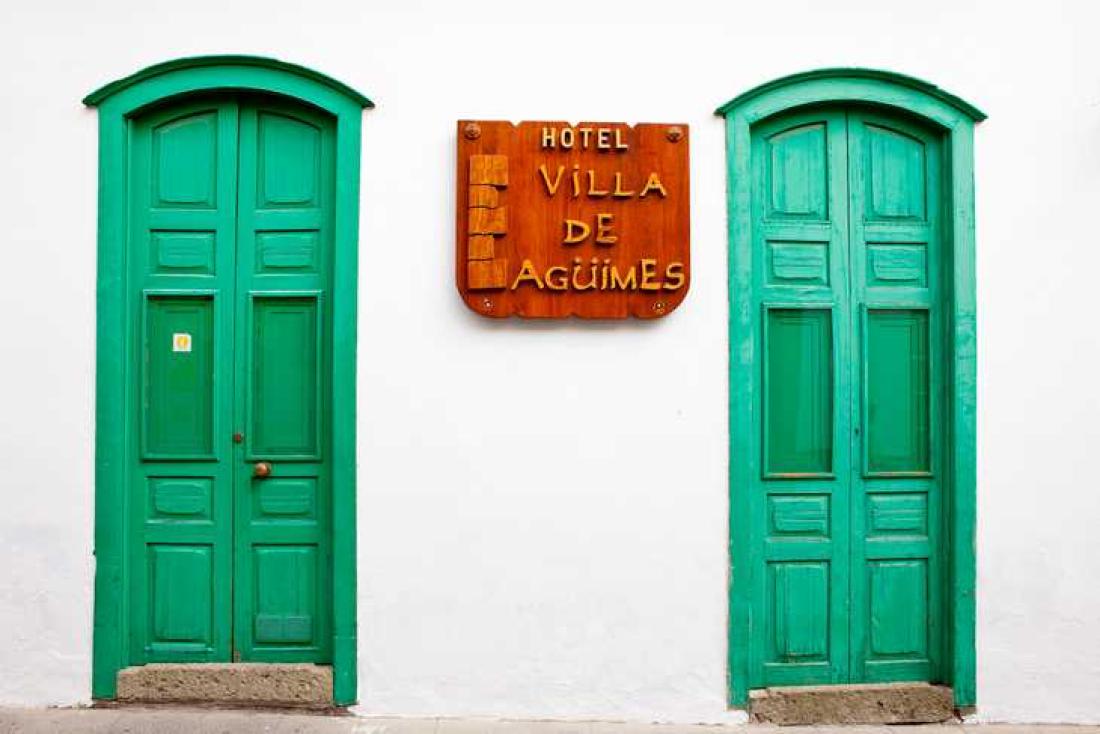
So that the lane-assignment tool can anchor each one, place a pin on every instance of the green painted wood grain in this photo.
(954, 119)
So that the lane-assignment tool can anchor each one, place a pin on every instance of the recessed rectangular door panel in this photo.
(796, 163)
(898, 609)
(179, 379)
(798, 385)
(181, 589)
(182, 253)
(181, 498)
(798, 263)
(285, 379)
(286, 594)
(894, 167)
(798, 516)
(899, 613)
(287, 252)
(289, 170)
(898, 400)
(893, 264)
(799, 612)
(185, 160)
(285, 498)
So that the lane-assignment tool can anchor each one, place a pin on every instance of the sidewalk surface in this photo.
(216, 721)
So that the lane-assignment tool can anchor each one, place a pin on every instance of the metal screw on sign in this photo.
(675, 134)
(488, 304)
(472, 131)
(659, 306)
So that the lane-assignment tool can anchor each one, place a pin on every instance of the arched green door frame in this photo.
(956, 119)
(118, 103)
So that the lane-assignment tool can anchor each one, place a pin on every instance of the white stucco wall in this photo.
(543, 507)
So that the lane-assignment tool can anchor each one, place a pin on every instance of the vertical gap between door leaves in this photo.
(236, 451)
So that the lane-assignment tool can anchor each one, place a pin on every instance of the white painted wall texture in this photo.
(543, 507)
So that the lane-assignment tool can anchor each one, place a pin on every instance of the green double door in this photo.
(846, 551)
(228, 350)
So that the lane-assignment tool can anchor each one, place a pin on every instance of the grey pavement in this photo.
(162, 720)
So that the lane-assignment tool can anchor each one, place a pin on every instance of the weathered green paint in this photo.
(224, 61)
(851, 382)
(262, 275)
(848, 84)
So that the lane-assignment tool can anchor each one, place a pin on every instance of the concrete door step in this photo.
(231, 684)
(872, 703)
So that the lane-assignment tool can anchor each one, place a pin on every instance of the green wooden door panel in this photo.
(897, 392)
(174, 498)
(285, 386)
(895, 170)
(178, 405)
(181, 596)
(794, 262)
(232, 214)
(289, 170)
(286, 591)
(899, 602)
(179, 284)
(283, 357)
(798, 252)
(845, 509)
(798, 392)
(799, 612)
(182, 252)
(797, 174)
(185, 161)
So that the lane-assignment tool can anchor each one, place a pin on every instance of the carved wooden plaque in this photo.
(558, 220)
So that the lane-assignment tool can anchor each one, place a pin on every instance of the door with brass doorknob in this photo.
(844, 520)
(232, 227)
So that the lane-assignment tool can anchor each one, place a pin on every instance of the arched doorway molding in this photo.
(955, 118)
(118, 103)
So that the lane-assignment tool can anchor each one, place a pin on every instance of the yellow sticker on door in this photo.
(181, 342)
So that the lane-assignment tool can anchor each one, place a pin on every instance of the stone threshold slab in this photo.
(874, 703)
(297, 685)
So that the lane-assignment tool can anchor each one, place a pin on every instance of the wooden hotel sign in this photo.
(559, 220)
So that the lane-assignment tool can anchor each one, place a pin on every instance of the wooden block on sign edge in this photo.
(480, 247)
(489, 169)
(487, 221)
(484, 196)
(482, 275)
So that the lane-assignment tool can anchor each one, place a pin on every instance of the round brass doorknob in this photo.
(261, 470)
